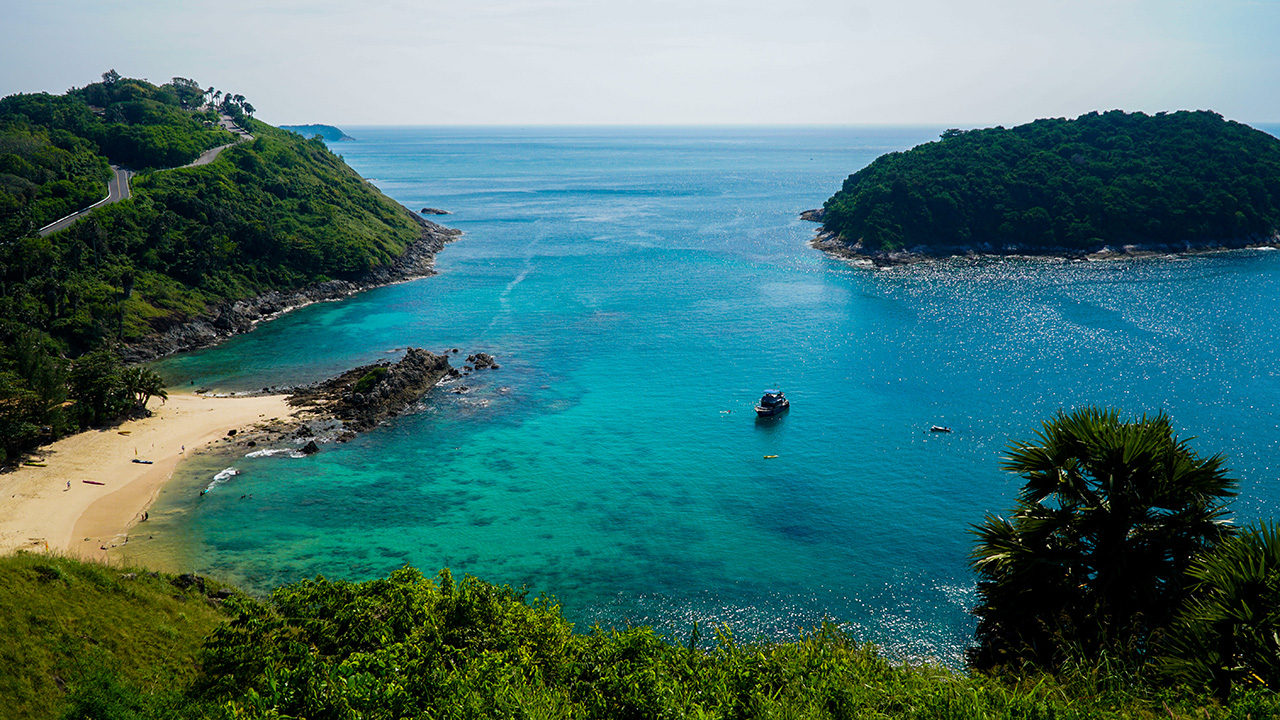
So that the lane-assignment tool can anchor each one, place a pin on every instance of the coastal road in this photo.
(118, 186)
(208, 156)
(117, 190)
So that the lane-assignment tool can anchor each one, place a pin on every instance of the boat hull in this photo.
(762, 411)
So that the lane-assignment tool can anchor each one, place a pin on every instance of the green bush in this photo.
(368, 380)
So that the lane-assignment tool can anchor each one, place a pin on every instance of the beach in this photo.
(89, 492)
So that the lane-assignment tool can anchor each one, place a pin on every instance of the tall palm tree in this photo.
(1094, 557)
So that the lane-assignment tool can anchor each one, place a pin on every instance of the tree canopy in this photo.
(1094, 558)
(1175, 180)
(278, 212)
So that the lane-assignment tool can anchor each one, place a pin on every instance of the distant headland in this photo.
(1111, 183)
(328, 132)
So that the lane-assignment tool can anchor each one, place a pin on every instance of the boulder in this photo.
(310, 448)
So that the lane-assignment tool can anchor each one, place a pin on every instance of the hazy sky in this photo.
(944, 62)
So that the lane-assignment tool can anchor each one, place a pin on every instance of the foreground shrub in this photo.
(1228, 634)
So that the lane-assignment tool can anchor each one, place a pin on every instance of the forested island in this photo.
(1104, 182)
(328, 132)
(197, 252)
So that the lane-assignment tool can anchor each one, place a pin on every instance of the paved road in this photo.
(117, 190)
(118, 186)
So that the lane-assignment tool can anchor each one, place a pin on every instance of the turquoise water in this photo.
(640, 288)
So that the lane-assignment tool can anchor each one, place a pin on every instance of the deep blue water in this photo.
(640, 288)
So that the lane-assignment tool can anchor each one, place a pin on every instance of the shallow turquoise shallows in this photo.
(640, 288)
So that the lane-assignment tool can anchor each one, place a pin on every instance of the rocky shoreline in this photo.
(835, 244)
(233, 318)
(360, 399)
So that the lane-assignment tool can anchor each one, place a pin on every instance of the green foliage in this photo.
(96, 383)
(1228, 634)
(368, 380)
(45, 174)
(403, 646)
(1172, 180)
(1094, 557)
(277, 213)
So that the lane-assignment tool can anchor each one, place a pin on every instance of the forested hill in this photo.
(277, 213)
(1172, 181)
(328, 132)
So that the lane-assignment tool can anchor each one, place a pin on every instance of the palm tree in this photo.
(1094, 557)
(142, 384)
(1229, 632)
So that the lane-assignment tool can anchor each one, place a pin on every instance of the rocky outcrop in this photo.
(434, 211)
(365, 396)
(241, 316)
(482, 361)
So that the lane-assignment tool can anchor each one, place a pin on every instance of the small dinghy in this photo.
(939, 428)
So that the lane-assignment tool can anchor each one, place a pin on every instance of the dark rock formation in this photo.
(385, 390)
(813, 215)
(482, 360)
(310, 448)
(241, 316)
(434, 211)
(186, 580)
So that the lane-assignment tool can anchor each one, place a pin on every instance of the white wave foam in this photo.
(273, 452)
(221, 477)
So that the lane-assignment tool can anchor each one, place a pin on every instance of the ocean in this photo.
(640, 287)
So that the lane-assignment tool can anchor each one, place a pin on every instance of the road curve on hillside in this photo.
(118, 186)
(117, 190)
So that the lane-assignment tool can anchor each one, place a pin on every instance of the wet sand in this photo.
(53, 509)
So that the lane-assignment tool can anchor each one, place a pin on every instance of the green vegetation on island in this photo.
(1116, 590)
(278, 213)
(328, 132)
(1170, 182)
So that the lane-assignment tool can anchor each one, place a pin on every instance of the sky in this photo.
(961, 63)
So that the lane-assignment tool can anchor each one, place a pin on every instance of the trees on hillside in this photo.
(1171, 179)
(1094, 557)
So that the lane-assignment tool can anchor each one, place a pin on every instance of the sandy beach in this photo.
(53, 508)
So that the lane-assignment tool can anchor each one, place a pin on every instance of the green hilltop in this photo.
(1169, 182)
(328, 132)
(275, 213)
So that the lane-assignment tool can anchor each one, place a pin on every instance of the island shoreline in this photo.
(837, 246)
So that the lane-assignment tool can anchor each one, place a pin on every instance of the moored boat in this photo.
(772, 402)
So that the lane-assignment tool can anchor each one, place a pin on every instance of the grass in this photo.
(65, 622)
